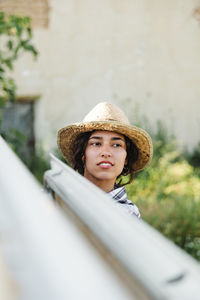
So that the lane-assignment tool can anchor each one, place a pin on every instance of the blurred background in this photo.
(143, 56)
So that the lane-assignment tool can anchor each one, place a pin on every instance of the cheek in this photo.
(124, 155)
(89, 155)
(121, 157)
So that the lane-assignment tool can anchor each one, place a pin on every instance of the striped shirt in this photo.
(120, 196)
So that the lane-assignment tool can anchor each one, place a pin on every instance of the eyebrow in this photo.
(113, 138)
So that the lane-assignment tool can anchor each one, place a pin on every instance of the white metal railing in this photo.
(161, 269)
(8, 287)
(46, 254)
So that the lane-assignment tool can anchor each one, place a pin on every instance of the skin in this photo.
(104, 158)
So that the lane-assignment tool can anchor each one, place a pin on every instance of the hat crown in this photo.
(106, 111)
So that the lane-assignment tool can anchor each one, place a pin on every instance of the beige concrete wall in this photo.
(135, 52)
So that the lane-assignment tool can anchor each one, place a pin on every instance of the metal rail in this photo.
(47, 255)
(156, 268)
(8, 287)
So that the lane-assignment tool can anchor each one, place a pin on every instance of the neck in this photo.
(105, 185)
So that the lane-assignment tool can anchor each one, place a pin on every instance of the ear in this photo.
(83, 159)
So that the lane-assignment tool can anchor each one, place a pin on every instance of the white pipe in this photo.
(164, 270)
(50, 258)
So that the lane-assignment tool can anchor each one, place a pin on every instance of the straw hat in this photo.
(107, 116)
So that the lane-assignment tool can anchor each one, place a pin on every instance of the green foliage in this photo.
(168, 194)
(14, 138)
(194, 157)
(15, 37)
(39, 165)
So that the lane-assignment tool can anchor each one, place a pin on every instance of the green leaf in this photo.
(31, 48)
(15, 36)
(19, 30)
(8, 63)
(2, 69)
(10, 45)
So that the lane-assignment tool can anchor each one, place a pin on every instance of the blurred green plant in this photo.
(168, 194)
(39, 164)
(194, 156)
(15, 37)
(14, 138)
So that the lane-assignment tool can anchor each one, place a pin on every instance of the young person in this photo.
(105, 147)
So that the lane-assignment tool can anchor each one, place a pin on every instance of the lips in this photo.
(105, 164)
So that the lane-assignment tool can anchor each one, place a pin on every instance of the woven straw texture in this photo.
(106, 116)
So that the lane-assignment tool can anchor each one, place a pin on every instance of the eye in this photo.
(117, 145)
(95, 144)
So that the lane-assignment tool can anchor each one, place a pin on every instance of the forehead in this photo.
(107, 134)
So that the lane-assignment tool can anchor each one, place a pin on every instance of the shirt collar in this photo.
(119, 194)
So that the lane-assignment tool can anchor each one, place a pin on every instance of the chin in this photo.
(107, 177)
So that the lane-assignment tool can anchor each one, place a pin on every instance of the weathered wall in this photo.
(138, 52)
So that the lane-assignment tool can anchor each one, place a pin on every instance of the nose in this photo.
(105, 151)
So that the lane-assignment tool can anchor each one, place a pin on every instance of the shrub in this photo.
(39, 165)
(194, 157)
(16, 36)
(168, 195)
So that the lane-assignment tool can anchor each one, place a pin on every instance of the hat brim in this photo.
(68, 135)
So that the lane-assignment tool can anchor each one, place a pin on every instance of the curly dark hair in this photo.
(80, 145)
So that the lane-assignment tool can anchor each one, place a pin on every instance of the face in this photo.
(105, 156)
